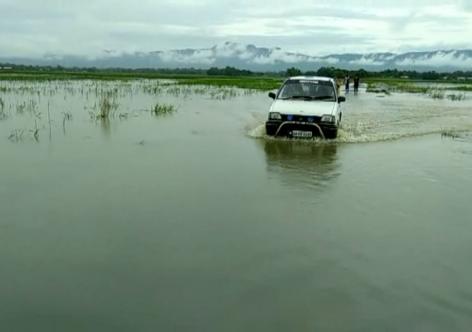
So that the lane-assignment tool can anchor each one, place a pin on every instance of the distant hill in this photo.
(256, 58)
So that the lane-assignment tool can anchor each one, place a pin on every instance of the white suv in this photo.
(305, 107)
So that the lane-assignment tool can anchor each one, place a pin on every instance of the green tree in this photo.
(293, 72)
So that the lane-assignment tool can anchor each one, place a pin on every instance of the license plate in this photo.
(302, 134)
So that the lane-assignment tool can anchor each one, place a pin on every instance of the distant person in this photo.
(347, 83)
(357, 81)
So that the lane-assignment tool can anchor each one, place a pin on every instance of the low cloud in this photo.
(439, 59)
(367, 62)
(202, 57)
(251, 55)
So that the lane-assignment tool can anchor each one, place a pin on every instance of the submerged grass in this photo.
(403, 86)
(16, 135)
(261, 83)
(3, 114)
(437, 94)
(106, 106)
(450, 134)
(464, 88)
(397, 86)
(163, 109)
(456, 97)
(244, 82)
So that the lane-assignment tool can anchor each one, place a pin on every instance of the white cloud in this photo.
(32, 28)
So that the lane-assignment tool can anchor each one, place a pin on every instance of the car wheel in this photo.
(271, 130)
(331, 134)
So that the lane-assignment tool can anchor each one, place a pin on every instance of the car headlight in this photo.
(328, 118)
(275, 116)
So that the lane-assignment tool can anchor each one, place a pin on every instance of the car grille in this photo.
(301, 118)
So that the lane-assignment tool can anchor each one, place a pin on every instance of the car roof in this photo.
(312, 78)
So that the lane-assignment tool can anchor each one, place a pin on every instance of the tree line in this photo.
(388, 73)
(235, 72)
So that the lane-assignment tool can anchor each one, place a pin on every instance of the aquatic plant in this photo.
(30, 107)
(456, 97)
(163, 109)
(20, 108)
(66, 117)
(3, 114)
(450, 134)
(35, 133)
(377, 88)
(411, 87)
(437, 94)
(154, 89)
(397, 86)
(16, 135)
(106, 106)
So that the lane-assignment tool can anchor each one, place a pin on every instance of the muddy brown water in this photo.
(194, 221)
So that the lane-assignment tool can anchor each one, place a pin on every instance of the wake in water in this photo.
(370, 119)
(346, 135)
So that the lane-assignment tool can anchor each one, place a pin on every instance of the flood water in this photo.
(193, 221)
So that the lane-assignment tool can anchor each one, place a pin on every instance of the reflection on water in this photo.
(299, 163)
(105, 125)
(200, 228)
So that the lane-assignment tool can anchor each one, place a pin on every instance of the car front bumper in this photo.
(286, 128)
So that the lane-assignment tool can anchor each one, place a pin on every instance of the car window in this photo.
(307, 90)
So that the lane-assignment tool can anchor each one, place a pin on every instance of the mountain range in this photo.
(256, 58)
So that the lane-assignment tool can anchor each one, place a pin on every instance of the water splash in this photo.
(369, 119)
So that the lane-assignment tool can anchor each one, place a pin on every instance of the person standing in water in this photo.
(347, 82)
(356, 84)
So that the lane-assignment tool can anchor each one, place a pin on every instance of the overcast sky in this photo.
(88, 27)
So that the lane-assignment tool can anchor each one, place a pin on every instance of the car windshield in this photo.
(308, 90)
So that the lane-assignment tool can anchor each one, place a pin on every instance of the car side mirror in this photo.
(341, 99)
(272, 95)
